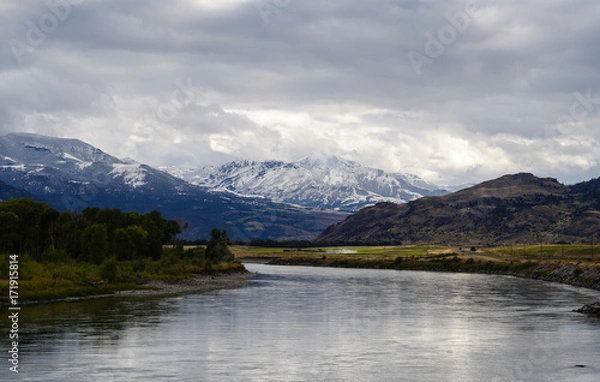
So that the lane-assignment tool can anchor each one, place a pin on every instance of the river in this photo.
(321, 325)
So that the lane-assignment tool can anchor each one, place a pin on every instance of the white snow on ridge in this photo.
(8, 159)
(322, 181)
(132, 174)
(31, 161)
(71, 157)
(128, 160)
(83, 165)
(19, 167)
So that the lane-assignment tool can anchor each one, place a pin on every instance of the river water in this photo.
(321, 324)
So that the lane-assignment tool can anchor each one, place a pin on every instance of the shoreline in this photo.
(582, 276)
(198, 283)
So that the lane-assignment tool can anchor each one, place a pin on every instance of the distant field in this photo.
(572, 253)
(381, 253)
(548, 250)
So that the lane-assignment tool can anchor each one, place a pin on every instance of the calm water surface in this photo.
(321, 324)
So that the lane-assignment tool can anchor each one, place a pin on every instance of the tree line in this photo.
(92, 235)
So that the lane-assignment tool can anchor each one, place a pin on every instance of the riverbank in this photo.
(198, 283)
(575, 275)
(195, 284)
(226, 276)
(575, 270)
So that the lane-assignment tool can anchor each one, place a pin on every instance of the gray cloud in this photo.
(317, 76)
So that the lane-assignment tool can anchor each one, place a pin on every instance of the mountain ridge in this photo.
(513, 209)
(320, 181)
(70, 174)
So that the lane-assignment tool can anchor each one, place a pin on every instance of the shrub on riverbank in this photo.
(53, 280)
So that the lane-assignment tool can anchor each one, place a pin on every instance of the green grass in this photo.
(352, 254)
(380, 257)
(38, 282)
(565, 251)
(340, 252)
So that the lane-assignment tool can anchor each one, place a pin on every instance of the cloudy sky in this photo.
(453, 91)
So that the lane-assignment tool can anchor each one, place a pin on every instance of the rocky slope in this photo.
(518, 208)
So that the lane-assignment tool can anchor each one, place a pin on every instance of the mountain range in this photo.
(71, 175)
(319, 181)
(309, 198)
(513, 209)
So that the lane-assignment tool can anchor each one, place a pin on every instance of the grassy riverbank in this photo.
(68, 280)
(570, 264)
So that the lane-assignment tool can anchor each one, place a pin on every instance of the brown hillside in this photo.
(520, 208)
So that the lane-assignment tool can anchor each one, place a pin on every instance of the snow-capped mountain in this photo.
(45, 165)
(325, 182)
(70, 175)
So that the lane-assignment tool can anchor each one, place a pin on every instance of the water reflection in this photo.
(315, 324)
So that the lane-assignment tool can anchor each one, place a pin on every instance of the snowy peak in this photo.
(48, 165)
(48, 150)
(321, 181)
(38, 152)
(71, 175)
(323, 161)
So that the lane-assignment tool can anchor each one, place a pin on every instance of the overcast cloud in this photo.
(454, 91)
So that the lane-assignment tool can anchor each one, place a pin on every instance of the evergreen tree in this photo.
(217, 248)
